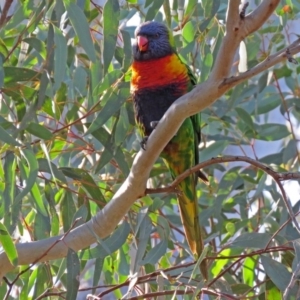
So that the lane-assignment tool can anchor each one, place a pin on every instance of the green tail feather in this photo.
(180, 155)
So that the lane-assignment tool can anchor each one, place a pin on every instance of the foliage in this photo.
(68, 141)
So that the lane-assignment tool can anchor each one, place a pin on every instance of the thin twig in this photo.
(4, 17)
(270, 61)
(278, 177)
(216, 160)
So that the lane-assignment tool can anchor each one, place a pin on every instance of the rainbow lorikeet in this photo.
(159, 77)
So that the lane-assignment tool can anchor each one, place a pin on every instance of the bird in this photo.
(159, 77)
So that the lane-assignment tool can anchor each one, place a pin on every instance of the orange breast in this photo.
(159, 72)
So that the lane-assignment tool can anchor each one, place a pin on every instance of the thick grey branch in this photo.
(236, 30)
(230, 43)
(233, 15)
(258, 17)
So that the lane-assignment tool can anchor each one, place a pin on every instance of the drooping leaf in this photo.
(81, 28)
(8, 245)
(153, 9)
(109, 245)
(39, 131)
(155, 253)
(253, 240)
(60, 57)
(15, 74)
(30, 175)
(272, 132)
(111, 12)
(73, 272)
(7, 138)
(248, 270)
(276, 271)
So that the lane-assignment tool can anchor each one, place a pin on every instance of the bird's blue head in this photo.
(153, 40)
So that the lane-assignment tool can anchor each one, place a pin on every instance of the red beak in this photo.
(142, 43)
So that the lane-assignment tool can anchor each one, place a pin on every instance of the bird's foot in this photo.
(144, 142)
(153, 124)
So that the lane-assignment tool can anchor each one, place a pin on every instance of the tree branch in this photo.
(278, 177)
(258, 17)
(4, 18)
(269, 62)
(216, 160)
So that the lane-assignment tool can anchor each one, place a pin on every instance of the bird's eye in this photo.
(157, 35)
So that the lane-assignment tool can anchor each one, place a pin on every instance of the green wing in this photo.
(196, 121)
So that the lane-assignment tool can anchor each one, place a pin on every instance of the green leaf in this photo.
(38, 45)
(219, 264)
(262, 82)
(67, 209)
(230, 227)
(272, 132)
(108, 81)
(7, 138)
(97, 272)
(240, 288)
(245, 117)
(267, 103)
(272, 292)
(73, 272)
(29, 175)
(123, 265)
(253, 240)
(283, 72)
(44, 167)
(42, 226)
(122, 126)
(9, 168)
(60, 57)
(153, 9)
(290, 151)
(80, 81)
(210, 9)
(121, 160)
(80, 215)
(127, 50)
(111, 13)
(213, 150)
(206, 66)
(190, 7)
(111, 107)
(41, 278)
(188, 33)
(109, 245)
(249, 270)
(15, 74)
(163, 227)
(81, 27)
(2, 74)
(105, 158)
(145, 228)
(155, 253)
(276, 271)
(39, 131)
(87, 182)
(8, 245)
